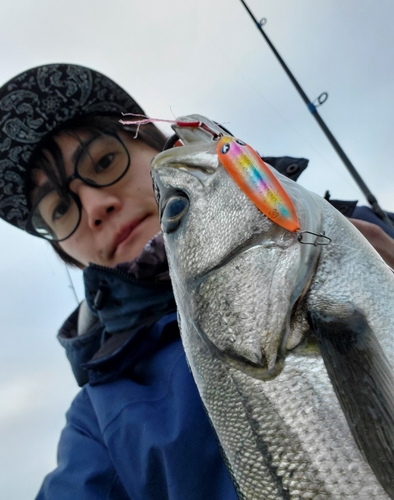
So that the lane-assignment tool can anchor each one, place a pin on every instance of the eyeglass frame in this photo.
(29, 228)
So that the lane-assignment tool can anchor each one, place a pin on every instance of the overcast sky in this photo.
(180, 57)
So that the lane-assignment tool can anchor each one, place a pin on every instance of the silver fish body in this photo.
(290, 344)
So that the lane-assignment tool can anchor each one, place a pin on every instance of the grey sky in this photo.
(179, 57)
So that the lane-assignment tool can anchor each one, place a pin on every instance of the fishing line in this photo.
(312, 108)
(71, 285)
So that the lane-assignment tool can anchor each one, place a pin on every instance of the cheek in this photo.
(77, 250)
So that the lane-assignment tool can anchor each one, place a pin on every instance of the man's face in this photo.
(118, 220)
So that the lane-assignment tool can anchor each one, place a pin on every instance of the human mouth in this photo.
(124, 234)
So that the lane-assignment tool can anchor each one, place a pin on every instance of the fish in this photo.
(288, 334)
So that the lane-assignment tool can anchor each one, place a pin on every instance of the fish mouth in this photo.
(259, 370)
(189, 157)
(258, 356)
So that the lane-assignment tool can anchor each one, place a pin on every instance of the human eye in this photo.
(104, 163)
(60, 210)
(104, 160)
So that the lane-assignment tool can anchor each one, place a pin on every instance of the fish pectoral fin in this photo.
(364, 384)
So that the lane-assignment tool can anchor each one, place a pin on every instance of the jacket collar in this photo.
(121, 302)
(124, 308)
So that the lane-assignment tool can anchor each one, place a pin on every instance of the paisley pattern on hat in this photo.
(32, 105)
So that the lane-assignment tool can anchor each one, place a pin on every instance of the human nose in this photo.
(97, 204)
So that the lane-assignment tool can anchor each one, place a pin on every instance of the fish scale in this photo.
(291, 345)
(229, 421)
(276, 410)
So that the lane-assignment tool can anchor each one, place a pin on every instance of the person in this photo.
(71, 174)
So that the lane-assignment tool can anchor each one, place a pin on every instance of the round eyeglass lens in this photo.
(56, 216)
(104, 161)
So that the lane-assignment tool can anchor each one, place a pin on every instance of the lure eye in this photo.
(175, 209)
(225, 148)
(238, 141)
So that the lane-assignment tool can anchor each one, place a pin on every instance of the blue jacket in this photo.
(138, 429)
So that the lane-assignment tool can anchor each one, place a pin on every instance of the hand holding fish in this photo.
(290, 344)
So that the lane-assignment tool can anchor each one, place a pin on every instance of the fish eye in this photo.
(174, 210)
(241, 143)
(225, 148)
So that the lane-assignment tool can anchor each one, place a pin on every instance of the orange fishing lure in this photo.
(257, 181)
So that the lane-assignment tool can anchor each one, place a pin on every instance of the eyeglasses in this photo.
(101, 162)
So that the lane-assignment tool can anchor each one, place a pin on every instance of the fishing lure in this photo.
(249, 172)
(257, 181)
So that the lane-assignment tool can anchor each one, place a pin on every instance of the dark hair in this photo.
(148, 133)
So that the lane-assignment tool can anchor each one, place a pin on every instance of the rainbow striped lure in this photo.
(257, 181)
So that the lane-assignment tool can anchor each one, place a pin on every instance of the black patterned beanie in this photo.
(35, 103)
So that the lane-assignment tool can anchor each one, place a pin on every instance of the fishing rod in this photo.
(312, 108)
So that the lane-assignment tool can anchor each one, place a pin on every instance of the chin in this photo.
(132, 249)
